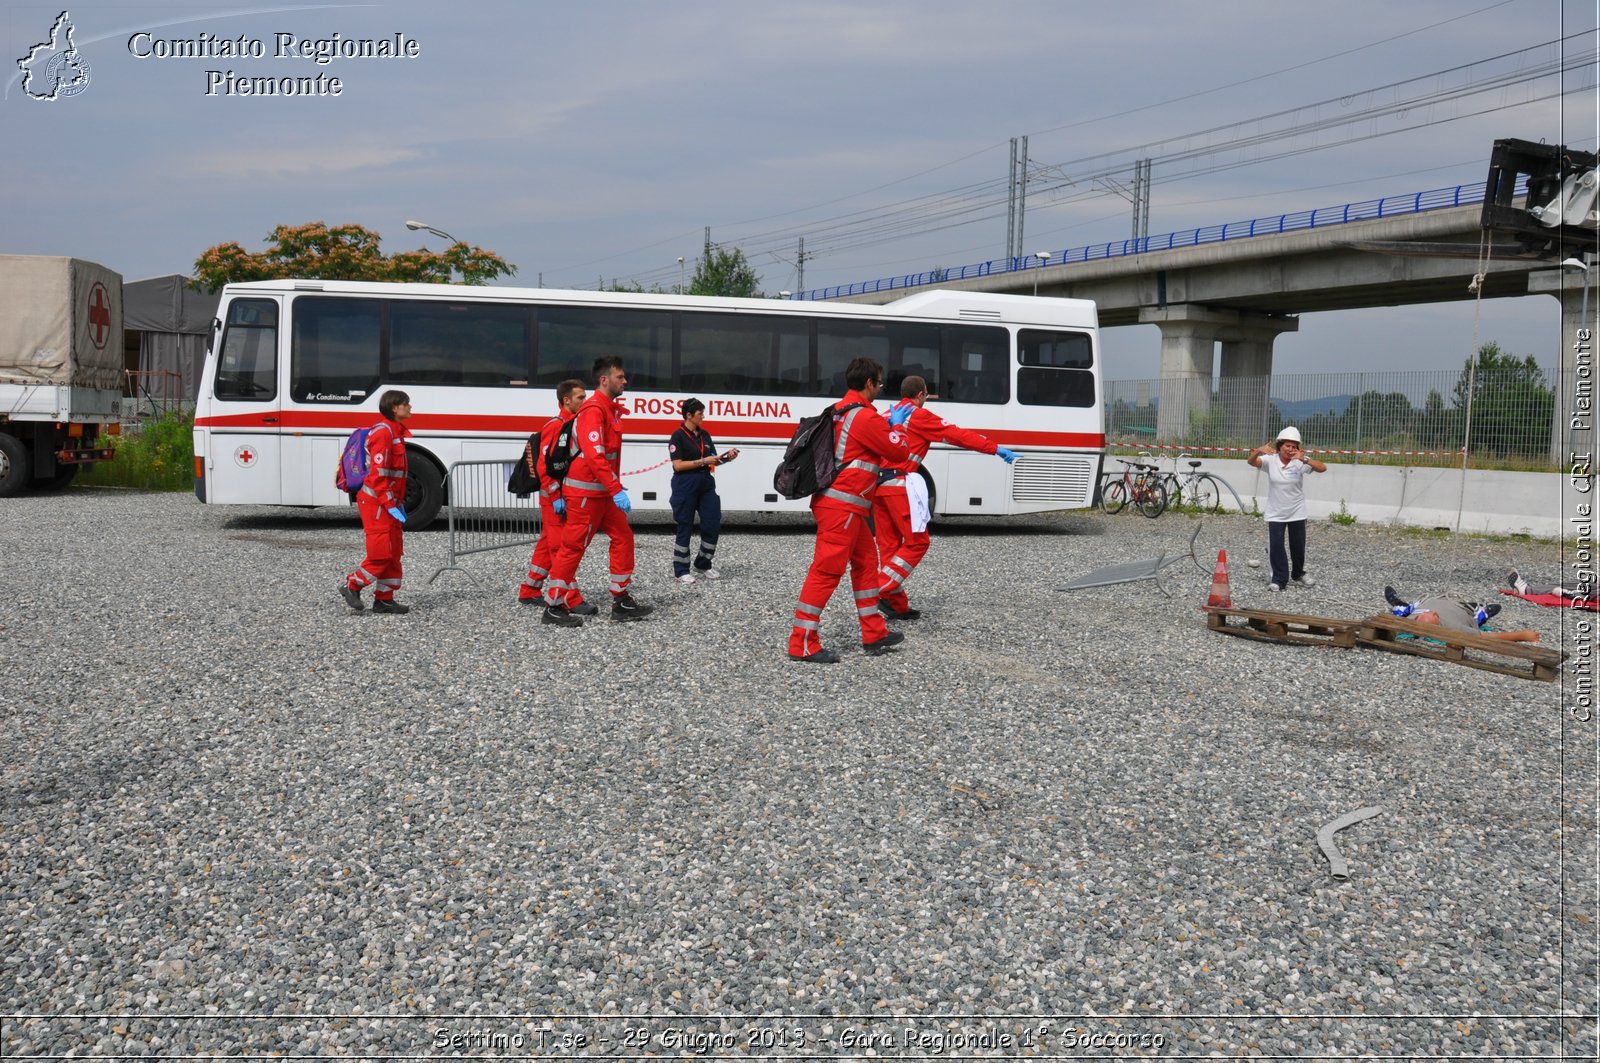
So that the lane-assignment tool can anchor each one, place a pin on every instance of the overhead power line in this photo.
(1431, 99)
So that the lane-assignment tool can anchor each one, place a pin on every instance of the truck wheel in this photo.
(57, 480)
(16, 465)
(424, 491)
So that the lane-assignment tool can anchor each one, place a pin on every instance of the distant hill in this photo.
(1295, 411)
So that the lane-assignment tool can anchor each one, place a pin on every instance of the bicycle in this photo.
(1195, 489)
(1138, 483)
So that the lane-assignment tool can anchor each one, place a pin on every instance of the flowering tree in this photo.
(344, 252)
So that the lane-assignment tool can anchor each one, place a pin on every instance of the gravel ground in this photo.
(238, 818)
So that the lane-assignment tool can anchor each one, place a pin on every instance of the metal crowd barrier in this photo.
(485, 516)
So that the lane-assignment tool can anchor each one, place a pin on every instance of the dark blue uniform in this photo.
(694, 492)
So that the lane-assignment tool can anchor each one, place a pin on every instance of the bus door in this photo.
(244, 420)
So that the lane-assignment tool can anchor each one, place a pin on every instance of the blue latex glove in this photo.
(623, 502)
(1005, 454)
(397, 513)
(560, 506)
(901, 414)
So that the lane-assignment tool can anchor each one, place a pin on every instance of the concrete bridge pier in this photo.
(1246, 372)
(1572, 429)
(1189, 337)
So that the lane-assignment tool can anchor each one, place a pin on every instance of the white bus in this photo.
(295, 366)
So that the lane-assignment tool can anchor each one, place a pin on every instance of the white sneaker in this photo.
(1306, 581)
(687, 577)
(1274, 587)
(710, 573)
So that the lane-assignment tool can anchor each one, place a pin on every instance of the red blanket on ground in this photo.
(1556, 600)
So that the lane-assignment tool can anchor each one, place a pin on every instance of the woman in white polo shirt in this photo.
(1286, 465)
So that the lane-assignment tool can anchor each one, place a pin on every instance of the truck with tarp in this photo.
(61, 368)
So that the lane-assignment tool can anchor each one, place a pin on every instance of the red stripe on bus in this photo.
(289, 420)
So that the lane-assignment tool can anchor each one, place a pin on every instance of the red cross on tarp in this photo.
(99, 316)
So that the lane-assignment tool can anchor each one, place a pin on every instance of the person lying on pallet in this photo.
(1458, 616)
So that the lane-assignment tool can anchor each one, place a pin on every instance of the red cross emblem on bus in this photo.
(245, 456)
(99, 315)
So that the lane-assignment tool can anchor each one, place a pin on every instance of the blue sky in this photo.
(597, 141)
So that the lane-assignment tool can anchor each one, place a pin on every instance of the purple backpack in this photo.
(352, 472)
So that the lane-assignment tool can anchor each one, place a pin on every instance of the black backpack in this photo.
(809, 463)
(524, 481)
(558, 455)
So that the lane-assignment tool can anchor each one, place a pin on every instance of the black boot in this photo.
(883, 645)
(624, 607)
(559, 616)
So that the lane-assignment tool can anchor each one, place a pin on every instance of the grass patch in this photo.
(155, 456)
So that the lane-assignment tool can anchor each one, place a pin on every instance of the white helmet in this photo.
(1290, 434)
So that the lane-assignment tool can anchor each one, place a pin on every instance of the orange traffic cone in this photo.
(1221, 597)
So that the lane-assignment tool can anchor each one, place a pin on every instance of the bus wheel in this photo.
(16, 465)
(424, 491)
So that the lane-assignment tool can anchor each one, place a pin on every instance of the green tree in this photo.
(1438, 427)
(1375, 418)
(725, 271)
(344, 252)
(1511, 402)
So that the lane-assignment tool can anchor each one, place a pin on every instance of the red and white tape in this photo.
(648, 468)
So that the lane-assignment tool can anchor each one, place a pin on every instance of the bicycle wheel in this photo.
(1206, 496)
(1114, 496)
(1174, 488)
(1151, 498)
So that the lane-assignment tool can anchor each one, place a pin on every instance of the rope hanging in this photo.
(1485, 256)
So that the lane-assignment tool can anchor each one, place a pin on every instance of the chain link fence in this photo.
(1411, 417)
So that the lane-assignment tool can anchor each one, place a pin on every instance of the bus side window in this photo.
(335, 345)
(976, 364)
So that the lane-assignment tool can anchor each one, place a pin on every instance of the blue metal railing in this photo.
(1322, 217)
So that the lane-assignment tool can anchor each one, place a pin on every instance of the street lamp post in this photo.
(1043, 257)
(415, 225)
(681, 290)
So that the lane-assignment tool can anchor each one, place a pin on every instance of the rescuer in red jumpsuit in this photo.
(901, 520)
(382, 501)
(865, 444)
(596, 501)
(553, 507)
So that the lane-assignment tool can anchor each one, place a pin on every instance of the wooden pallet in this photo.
(1525, 660)
(1269, 626)
(1521, 659)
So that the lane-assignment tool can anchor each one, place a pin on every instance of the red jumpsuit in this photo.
(844, 531)
(591, 482)
(385, 486)
(899, 548)
(552, 525)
